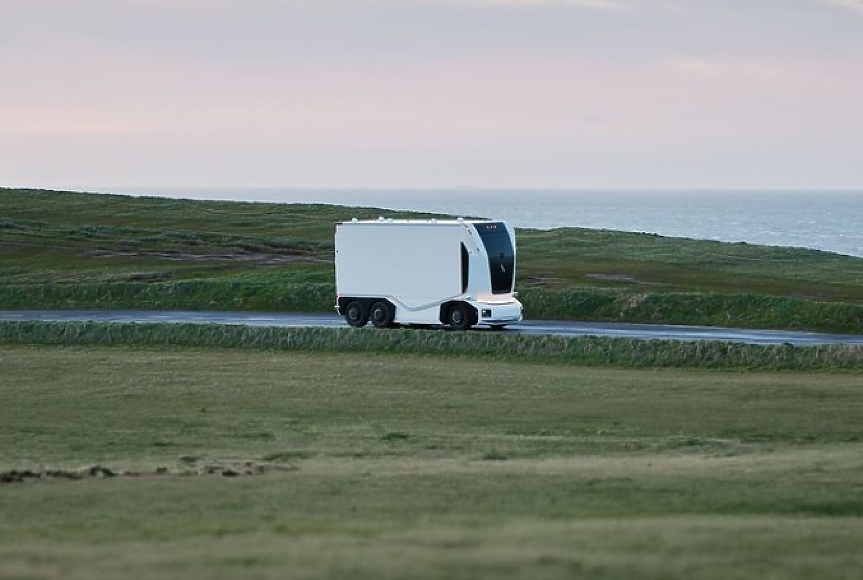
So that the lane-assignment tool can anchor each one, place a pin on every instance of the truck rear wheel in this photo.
(356, 315)
(458, 316)
(381, 314)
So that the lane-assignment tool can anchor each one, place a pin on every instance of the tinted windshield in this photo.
(501, 256)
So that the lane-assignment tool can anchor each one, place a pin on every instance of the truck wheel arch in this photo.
(471, 313)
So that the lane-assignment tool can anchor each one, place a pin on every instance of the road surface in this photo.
(558, 328)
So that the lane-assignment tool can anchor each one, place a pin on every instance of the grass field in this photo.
(75, 250)
(484, 346)
(212, 463)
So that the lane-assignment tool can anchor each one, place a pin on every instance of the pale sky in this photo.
(432, 93)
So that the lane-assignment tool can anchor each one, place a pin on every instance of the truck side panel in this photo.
(414, 264)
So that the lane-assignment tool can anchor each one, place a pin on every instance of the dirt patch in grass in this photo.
(622, 278)
(542, 281)
(223, 469)
(261, 257)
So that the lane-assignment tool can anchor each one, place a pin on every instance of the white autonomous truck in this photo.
(458, 273)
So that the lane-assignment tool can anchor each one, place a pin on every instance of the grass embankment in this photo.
(72, 250)
(372, 465)
(622, 352)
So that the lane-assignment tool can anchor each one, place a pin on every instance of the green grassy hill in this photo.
(79, 250)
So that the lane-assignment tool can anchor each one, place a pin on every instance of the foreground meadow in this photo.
(209, 463)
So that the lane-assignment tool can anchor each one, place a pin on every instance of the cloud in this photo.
(595, 4)
(48, 121)
(721, 68)
(216, 5)
(856, 5)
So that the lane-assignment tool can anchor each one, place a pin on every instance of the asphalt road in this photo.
(560, 328)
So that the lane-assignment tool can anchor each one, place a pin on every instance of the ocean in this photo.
(830, 221)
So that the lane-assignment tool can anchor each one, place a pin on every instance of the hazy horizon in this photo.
(419, 94)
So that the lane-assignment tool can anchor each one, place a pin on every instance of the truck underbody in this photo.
(459, 314)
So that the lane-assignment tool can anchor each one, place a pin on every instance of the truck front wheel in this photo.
(355, 314)
(458, 316)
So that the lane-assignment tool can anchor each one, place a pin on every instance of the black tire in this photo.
(381, 314)
(458, 316)
(355, 314)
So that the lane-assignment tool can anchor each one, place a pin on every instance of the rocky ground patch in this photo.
(224, 469)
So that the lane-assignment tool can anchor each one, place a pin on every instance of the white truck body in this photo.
(457, 273)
